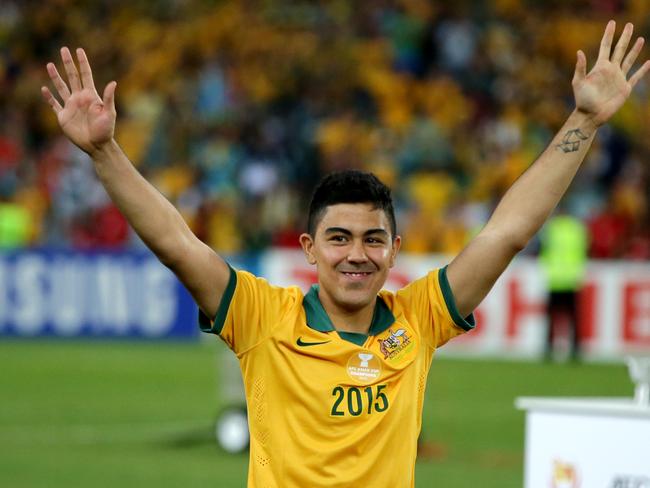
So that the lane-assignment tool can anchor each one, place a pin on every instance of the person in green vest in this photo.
(563, 257)
(15, 224)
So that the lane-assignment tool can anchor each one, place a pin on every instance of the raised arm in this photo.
(89, 122)
(532, 198)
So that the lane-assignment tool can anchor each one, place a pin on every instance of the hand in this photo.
(85, 118)
(601, 93)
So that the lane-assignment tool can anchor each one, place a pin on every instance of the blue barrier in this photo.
(63, 293)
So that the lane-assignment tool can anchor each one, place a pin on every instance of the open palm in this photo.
(85, 118)
(602, 91)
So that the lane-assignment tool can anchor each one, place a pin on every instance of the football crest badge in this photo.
(397, 344)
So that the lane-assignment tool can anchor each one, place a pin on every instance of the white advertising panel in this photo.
(583, 450)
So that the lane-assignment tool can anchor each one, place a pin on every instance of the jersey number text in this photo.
(358, 400)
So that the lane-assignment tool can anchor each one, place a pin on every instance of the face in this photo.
(353, 252)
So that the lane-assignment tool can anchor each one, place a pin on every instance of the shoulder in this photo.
(247, 282)
(430, 294)
(416, 289)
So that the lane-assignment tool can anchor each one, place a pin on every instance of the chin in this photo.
(354, 299)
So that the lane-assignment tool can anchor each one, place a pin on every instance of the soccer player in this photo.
(335, 378)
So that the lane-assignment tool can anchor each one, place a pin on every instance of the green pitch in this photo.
(106, 414)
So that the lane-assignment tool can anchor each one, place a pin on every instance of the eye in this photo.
(375, 240)
(338, 238)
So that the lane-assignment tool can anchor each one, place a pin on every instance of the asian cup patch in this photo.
(364, 367)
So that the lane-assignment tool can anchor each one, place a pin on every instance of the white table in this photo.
(586, 443)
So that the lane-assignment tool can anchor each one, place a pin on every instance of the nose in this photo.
(357, 253)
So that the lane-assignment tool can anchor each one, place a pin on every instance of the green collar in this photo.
(317, 318)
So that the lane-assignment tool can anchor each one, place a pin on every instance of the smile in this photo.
(356, 274)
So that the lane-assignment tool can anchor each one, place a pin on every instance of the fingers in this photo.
(619, 57)
(632, 55)
(109, 95)
(71, 70)
(621, 45)
(76, 83)
(606, 42)
(581, 68)
(86, 72)
(59, 84)
(640, 73)
(49, 98)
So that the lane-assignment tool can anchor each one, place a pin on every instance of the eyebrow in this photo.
(342, 230)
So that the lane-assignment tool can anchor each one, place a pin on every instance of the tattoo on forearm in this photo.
(571, 140)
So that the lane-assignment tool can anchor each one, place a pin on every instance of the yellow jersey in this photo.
(329, 408)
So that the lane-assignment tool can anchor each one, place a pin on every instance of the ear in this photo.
(307, 244)
(397, 243)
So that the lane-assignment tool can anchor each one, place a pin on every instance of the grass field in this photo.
(107, 414)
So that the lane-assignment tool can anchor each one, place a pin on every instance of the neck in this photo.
(356, 320)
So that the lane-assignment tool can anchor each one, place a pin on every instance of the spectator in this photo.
(233, 102)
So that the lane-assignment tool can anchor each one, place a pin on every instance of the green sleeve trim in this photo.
(215, 326)
(467, 323)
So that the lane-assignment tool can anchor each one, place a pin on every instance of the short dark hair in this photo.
(350, 186)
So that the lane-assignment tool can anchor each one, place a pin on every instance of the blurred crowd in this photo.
(235, 109)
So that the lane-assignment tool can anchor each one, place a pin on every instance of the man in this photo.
(335, 379)
(563, 257)
(15, 223)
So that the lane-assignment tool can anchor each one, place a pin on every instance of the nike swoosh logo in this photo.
(302, 343)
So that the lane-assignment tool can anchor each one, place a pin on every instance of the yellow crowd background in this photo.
(235, 109)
